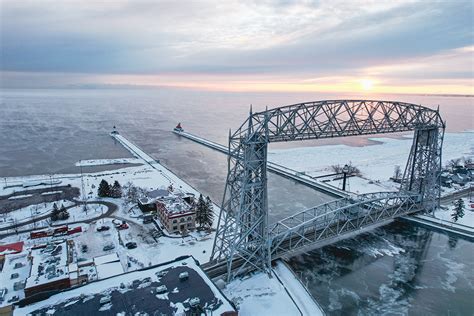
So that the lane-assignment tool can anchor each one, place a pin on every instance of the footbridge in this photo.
(244, 235)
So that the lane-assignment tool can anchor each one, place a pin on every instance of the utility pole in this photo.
(83, 190)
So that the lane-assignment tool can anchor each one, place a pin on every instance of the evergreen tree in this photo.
(63, 213)
(458, 211)
(116, 190)
(55, 213)
(200, 211)
(104, 189)
(209, 213)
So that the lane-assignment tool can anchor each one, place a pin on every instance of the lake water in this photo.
(47, 131)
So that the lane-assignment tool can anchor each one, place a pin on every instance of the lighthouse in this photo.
(178, 128)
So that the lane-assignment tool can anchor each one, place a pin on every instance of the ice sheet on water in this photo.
(454, 270)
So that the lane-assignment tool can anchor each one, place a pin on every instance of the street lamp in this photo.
(345, 171)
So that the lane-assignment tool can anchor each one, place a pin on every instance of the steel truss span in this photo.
(243, 231)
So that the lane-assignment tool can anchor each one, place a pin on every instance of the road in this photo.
(456, 195)
(111, 208)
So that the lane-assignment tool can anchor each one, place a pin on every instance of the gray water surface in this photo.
(397, 269)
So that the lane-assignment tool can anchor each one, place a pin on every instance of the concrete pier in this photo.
(272, 167)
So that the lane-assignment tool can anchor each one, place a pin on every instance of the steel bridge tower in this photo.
(243, 231)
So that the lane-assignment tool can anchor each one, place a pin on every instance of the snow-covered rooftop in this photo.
(48, 264)
(109, 269)
(175, 205)
(15, 271)
(138, 291)
(113, 257)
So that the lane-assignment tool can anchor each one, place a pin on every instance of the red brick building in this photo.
(176, 213)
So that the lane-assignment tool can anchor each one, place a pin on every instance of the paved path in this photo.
(456, 195)
(111, 208)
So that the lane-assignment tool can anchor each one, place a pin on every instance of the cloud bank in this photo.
(239, 45)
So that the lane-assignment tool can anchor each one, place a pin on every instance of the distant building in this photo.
(461, 178)
(445, 179)
(176, 213)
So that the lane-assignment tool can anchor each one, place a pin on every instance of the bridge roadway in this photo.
(272, 167)
(217, 269)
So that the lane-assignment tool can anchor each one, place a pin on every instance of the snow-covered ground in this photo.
(102, 162)
(261, 295)
(376, 162)
(297, 291)
(468, 218)
(77, 213)
(29, 212)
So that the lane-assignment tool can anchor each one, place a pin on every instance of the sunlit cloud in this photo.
(370, 46)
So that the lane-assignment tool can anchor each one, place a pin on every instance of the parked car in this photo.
(131, 245)
(103, 228)
(122, 226)
(84, 248)
(3, 293)
(108, 247)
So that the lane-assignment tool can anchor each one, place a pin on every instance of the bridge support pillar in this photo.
(242, 236)
(423, 169)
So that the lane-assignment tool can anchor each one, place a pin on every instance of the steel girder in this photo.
(422, 172)
(243, 230)
(337, 218)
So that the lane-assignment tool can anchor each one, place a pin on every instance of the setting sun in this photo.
(367, 84)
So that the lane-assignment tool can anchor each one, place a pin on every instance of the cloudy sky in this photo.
(322, 45)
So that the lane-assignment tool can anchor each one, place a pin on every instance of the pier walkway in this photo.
(273, 167)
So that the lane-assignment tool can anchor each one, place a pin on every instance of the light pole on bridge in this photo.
(345, 171)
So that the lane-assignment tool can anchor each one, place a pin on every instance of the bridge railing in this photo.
(337, 218)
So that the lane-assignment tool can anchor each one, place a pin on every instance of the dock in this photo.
(272, 167)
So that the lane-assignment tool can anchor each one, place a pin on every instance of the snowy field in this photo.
(29, 212)
(77, 213)
(376, 162)
(103, 162)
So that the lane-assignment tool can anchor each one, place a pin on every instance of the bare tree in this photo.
(453, 163)
(397, 172)
(351, 169)
(131, 193)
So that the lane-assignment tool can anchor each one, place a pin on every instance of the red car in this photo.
(122, 226)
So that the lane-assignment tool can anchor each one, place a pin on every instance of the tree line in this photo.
(204, 212)
(106, 190)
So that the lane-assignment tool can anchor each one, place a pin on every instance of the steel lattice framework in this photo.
(243, 230)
